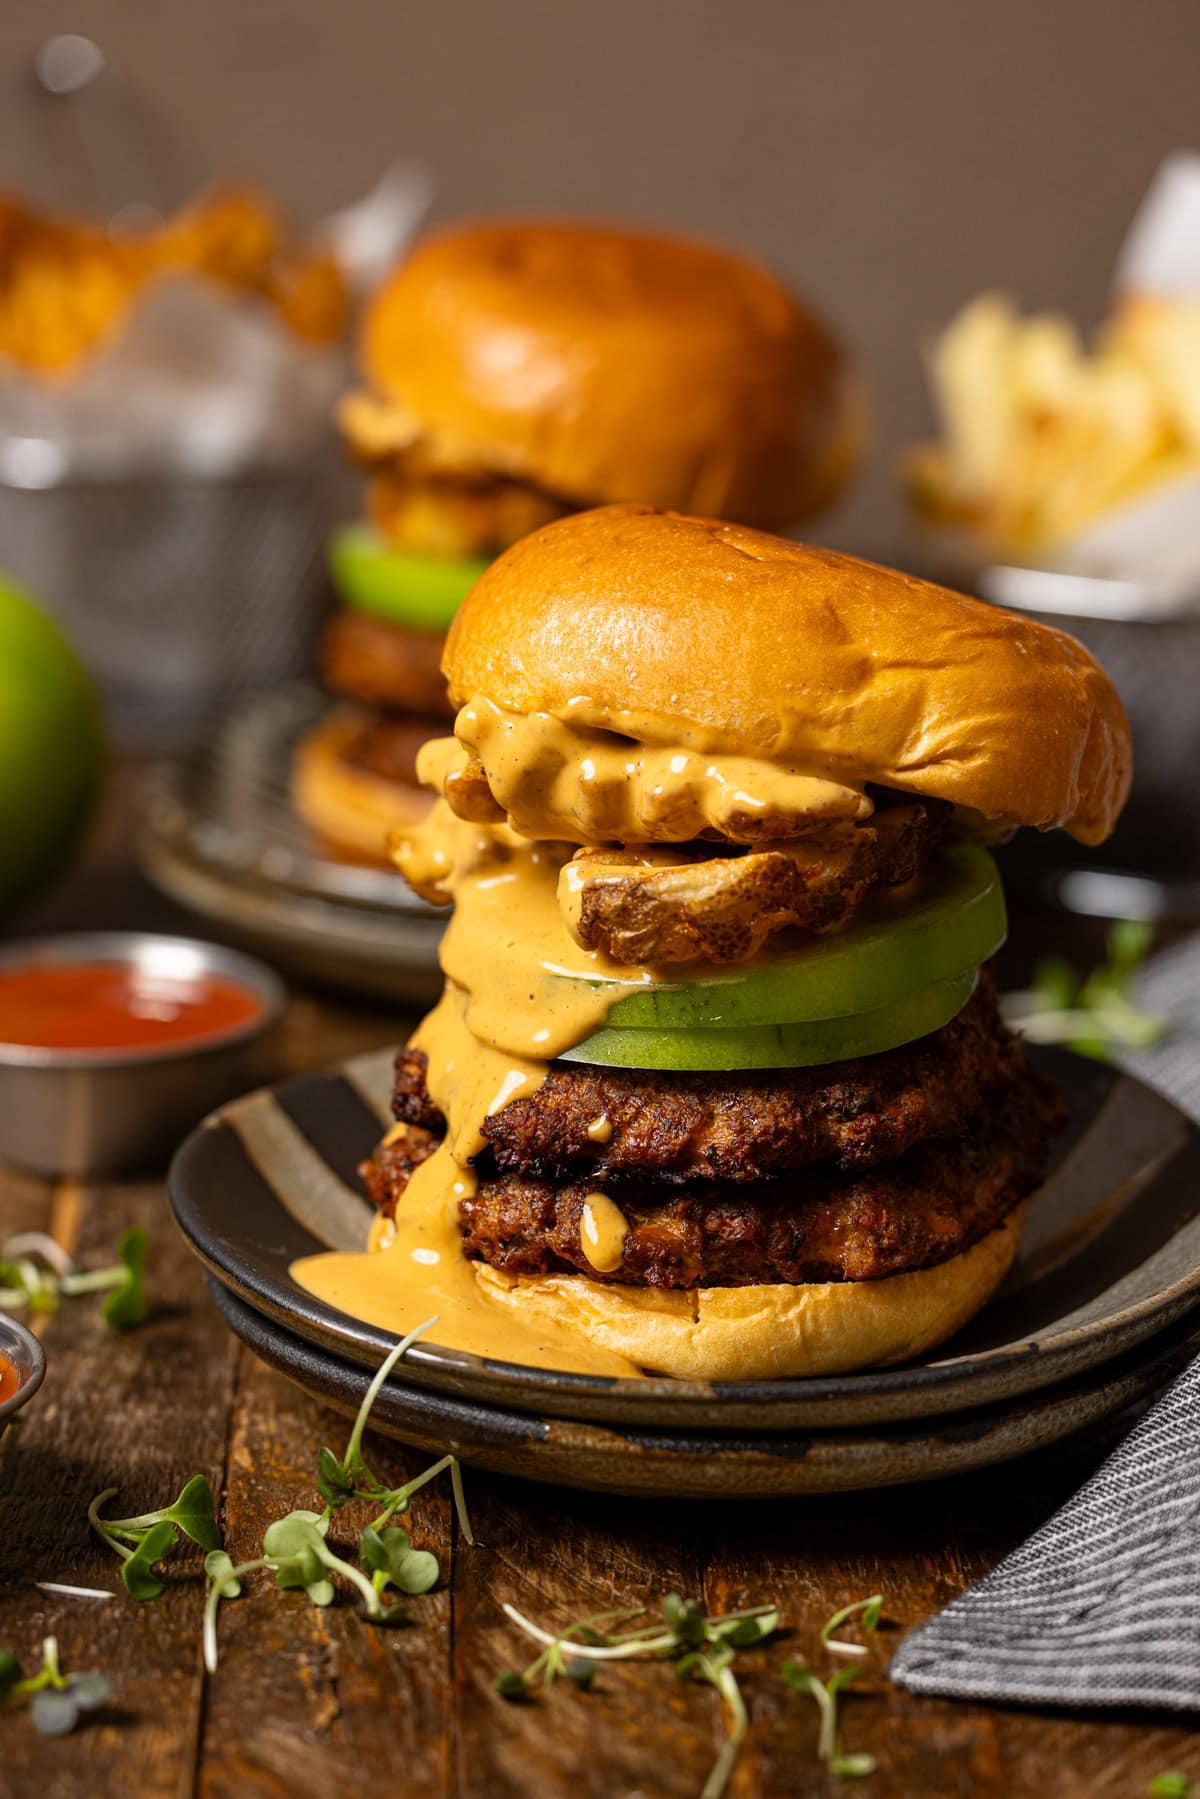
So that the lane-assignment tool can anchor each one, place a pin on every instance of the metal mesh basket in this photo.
(183, 594)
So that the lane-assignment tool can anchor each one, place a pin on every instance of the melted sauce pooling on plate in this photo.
(506, 1012)
(117, 1005)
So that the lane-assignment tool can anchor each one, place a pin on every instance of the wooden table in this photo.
(317, 1704)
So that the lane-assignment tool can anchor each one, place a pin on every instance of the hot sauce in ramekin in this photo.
(118, 1006)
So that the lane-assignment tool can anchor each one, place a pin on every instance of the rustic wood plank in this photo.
(812, 1557)
(143, 1410)
(559, 1555)
(308, 1702)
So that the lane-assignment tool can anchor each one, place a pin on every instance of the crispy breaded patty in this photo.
(385, 746)
(724, 908)
(745, 1127)
(381, 664)
(439, 513)
(816, 1225)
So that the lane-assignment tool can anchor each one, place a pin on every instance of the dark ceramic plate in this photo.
(618, 1458)
(1111, 1255)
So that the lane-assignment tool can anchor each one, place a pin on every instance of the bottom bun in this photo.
(350, 809)
(766, 1333)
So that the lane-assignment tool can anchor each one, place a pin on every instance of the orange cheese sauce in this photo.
(559, 780)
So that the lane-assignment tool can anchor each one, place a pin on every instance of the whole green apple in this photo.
(52, 747)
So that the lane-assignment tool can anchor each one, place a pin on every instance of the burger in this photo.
(516, 372)
(718, 1086)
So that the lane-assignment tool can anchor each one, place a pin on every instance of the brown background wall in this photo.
(892, 155)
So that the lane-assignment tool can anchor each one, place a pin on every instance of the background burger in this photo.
(718, 1084)
(515, 372)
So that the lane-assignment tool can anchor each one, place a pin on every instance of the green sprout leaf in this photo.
(1096, 1017)
(1170, 1785)
(150, 1538)
(57, 1700)
(36, 1273)
(297, 1544)
(294, 1535)
(195, 1513)
(334, 1484)
(137, 1570)
(391, 1558)
(218, 1566)
(126, 1306)
(511, 1685)
(54, 1713)
(869, 1610)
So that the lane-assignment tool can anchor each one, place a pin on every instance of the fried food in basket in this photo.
(66, 285)
(1042, 434)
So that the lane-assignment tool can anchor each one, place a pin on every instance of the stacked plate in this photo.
(219, 834)
(1096, 1315)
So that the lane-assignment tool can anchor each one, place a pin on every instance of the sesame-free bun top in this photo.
(609, 364)
(711, 636)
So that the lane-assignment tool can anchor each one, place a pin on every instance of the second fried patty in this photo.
(382, 664)
(746, 1127)
(816, 1225)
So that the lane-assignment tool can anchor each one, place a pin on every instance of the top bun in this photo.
(689, 631)
(605, 364)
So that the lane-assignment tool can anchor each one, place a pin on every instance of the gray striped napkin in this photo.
(1102, 1605)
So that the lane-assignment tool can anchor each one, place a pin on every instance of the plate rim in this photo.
(816, 1461)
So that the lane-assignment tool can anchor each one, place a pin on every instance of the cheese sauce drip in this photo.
(508, 944)
(555, 780)
(602, 1232)
(488, 1041)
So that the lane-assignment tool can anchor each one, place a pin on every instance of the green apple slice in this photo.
(809, 1044)
(945, 932)
(422, 592)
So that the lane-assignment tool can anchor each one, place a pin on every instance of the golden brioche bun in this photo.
(350, 809)
(768, 1333)
(715, 637)
(608, 364)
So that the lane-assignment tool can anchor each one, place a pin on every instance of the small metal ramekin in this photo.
(100, 1112)
(28, 1358)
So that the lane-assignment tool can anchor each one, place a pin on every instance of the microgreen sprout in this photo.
(702, 1647)
(1170, 1785)
(870, 1611)
(295, 1549)
(826, 1693)
(56, 1700)
(36, 1274)
(1096, 1016)
(147, 1540)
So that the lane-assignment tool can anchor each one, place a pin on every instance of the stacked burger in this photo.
(517, 371)
(718, 1086)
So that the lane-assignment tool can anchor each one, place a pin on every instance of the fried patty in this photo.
(436, 512)
(723, 909)
(815, 1225)
(368, 659)
(743, 1127)
(385, 746)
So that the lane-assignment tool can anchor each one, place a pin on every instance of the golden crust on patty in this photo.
(640, 908)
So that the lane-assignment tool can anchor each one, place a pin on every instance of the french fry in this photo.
(1040, 435)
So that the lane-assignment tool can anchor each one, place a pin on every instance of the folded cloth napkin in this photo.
(1102, 1605)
